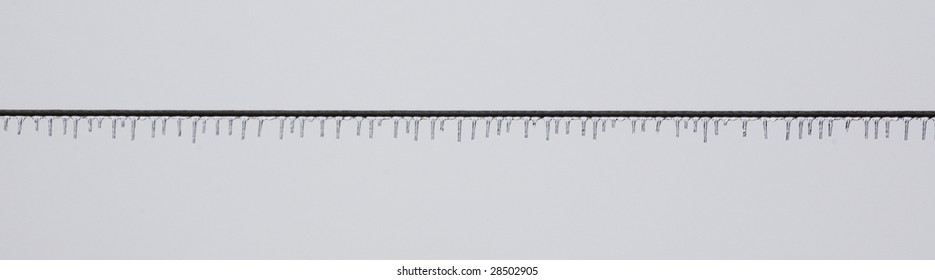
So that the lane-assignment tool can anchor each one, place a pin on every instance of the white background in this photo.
(621, 197)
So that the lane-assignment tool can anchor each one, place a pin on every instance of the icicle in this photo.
(75, 129)
(603, 125)
(716, 124)
(35, 121)
(633, 126)
(658, 125)
(64, 126)
(371, 128)
(695, 125)
(744, 128)
(876, 128)
(19, 125)
(705, 132)
(821, 129)
(99, 122)
(6, 123)
(810, 121)
(801, 124)
(243, 128)
(925, 125)
(337, 128)
(321, 126)
(407, 125)
(788, 128)
(152, 132)
(415, 130)
(204, 125)
(395, 127)
(90, 127)
(557, 124)
(487, 128)
(499, 122)
(525, 127)
(584, 126)
(359, 120)
(292, 125)
(302, 128)
(259, 127)
(509, 122)
(847, 125)
(643, 125)
(594, 129)
(830, 126)
(132, 130)
(282, 127)
(459, 129)
(866, 128)
(567, 126)
(230, 126)
(678, 128)
(887, 129)
(473, 127)
(906, 127)
(217, 126)
(194, 130)
(548, 129)
(441, 125)
(50, 126)
(113, 128)
(765, 127)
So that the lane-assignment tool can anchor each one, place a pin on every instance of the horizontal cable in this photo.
(472, 113)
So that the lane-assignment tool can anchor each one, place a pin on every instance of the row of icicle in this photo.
(553, 125)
